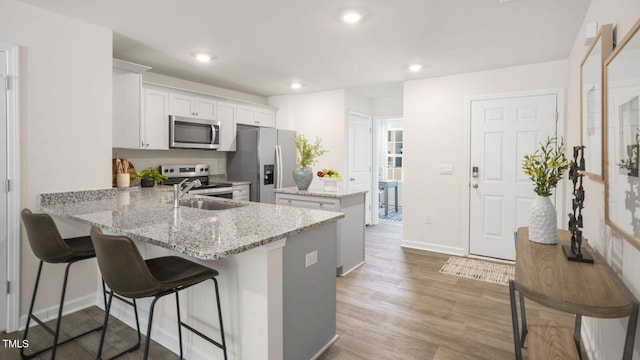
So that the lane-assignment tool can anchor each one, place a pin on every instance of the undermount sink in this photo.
(209, 204)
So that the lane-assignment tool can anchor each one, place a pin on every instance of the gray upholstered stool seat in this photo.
(129, 275)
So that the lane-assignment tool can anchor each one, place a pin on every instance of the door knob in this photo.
(352, 179)
(475, 186)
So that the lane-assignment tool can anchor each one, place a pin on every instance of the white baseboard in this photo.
(350, 270)
(432, 247)
(51, 313)
(324, 348)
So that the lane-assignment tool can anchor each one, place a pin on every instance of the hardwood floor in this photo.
(396, 306)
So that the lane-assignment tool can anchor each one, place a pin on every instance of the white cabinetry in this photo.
(154, 123)
(185, 104)
(241, 192)
(127, 82)
(250, 115)
(227, 118)
(350, 228)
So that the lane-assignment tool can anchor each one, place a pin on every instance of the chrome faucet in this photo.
(178, 193)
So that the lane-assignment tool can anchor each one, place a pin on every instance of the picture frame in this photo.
(591, 102)
(622, 112)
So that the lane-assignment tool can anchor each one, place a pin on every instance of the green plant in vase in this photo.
(545, 167)
(148, 177)
(308, 154)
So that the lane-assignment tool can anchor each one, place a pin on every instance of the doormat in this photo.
(479, 270)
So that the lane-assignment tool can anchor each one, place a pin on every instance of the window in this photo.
(394, 154)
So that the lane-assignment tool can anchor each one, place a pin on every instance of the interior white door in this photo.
(360, 157)
(503, 130)
(4, 234)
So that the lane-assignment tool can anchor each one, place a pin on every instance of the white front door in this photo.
(360, 157)
(4, 233)
(503, 130)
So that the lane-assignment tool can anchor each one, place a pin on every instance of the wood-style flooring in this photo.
(396, 306)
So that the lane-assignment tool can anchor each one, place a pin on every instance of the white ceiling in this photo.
(261, 46)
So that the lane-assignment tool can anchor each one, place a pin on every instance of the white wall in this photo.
(65, 125)
(284, 115)
(434, 133)
(320, 114)
(387, 106)
(605, 336)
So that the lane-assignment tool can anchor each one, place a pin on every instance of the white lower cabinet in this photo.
(241, 192)
(350, 228)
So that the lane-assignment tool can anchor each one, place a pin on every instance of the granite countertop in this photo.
(320, 192)
(238, 182)
(148, 215)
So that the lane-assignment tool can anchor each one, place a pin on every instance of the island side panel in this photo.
(309, 292)
(251, 287)
(351, 233)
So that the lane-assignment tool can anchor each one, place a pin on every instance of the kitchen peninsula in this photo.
(276, 263)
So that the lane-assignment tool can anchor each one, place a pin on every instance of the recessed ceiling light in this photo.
(351, 16)
(202, 57)
(415, 67)
(296, 85)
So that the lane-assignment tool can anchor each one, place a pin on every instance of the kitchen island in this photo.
(276, 264)
(350, 245)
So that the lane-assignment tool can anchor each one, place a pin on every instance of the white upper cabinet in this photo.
(185, 104)
(154, 124)
(127, 81)
(141, 111)
(227, 118)
(251, 115)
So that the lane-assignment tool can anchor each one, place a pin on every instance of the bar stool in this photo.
(128, 274)
(48, 246)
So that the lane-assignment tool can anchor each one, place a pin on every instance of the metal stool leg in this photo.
(55, 333)
(179, 323)
(33, 300)
(146, 347)
(107, 311)
(224, 344)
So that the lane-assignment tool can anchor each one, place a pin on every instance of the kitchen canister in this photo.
(123, 180)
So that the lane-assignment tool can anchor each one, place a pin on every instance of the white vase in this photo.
(543, 222)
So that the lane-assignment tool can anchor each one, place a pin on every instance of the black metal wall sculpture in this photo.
(574, 252)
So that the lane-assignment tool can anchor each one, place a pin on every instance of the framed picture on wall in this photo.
(591, 102)
(622, 103)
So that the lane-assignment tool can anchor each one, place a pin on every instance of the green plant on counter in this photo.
(546, 166)
(308, 153)
(149, 173)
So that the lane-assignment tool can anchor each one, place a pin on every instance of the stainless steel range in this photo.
(178, 173)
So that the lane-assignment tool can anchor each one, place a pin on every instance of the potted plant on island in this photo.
(545, 168)
(308, 154)
(148, 177)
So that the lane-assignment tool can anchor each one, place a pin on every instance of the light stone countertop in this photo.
(238, 182)
(320, 192)
(148, 215)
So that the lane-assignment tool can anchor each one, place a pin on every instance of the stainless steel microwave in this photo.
(192, 133)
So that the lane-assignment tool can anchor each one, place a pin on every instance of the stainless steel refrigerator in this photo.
(264, 156)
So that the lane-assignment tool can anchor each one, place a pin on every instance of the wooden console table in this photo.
(544, 275)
